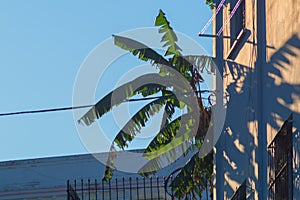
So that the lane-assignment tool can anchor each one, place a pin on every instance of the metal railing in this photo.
(280, 164)
(125, 189)
(129, 188)
(240, 194)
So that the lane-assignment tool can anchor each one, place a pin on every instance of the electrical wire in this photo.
(231, 15)
(86, 106)
(212, 17)
(44, 110)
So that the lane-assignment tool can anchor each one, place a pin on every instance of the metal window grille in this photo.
(237, 23)
(240, 194)
(280, 163)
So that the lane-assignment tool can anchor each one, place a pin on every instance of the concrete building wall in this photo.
(283, 33)
(283, 63)
(262, 85)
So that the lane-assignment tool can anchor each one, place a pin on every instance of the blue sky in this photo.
(43, 44)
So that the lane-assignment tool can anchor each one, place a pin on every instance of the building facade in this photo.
(77, 177)
(257, 49)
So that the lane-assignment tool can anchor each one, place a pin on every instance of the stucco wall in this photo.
(259, 97)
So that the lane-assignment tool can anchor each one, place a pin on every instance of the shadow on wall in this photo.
(237, 140)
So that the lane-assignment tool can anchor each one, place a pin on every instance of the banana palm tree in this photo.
(177, 134)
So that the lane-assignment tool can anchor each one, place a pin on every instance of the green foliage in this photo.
(133, 126)
(202, 63)
(120, 94)
(167, 143)
(197, 172)
(210, 3)
(169, 38)
(139, 49)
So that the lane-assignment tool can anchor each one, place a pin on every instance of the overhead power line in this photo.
(230, 16)
(44, 110)
(65, 108)
(84, 106)
(212, 18)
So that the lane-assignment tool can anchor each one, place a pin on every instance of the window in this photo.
(237, 22)
(238, 32)
(280, 163)
(240, 194)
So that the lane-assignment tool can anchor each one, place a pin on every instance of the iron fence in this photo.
(130, 188)
(125, 188)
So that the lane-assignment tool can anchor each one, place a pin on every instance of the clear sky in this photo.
(42, 45)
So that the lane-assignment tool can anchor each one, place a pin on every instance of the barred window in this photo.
(240, 194)
(280, 163)
(237, 22)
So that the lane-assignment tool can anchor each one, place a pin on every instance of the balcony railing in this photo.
(240, 194)
(280, 164)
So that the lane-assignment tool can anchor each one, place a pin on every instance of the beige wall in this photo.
(281, 91)
(282, 25)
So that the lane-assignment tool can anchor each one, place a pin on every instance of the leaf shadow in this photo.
(237, 144)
